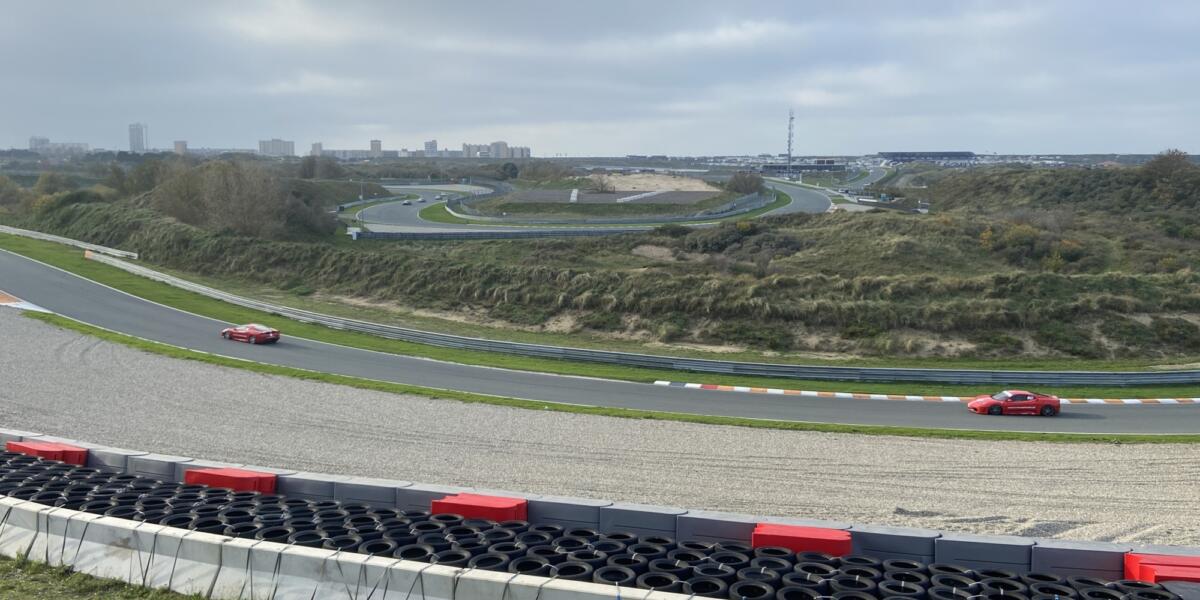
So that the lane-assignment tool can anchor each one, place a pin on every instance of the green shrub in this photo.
(520, 314)
(1068, 339)
(602, 321)
(1177, 332)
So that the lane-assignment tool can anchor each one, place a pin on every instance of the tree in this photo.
(50, 183)
(509, 171)
(308, 167)
(1167, 164)
(744, 182)
(603, 185)
(116, 178)
(12, 194)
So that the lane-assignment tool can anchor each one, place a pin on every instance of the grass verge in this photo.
(28, 580)
(72, 260)
(399, 388)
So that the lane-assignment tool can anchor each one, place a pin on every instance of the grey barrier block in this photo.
(272, 470)
(156, 466)
(642, 519)
(985, 551)
(1165, 549)
(1186, 590)
(565, 511)
(1080, 559)
(117, 458)
(905, 543)
(15, 435)
(805, 522)
(183, 468)
(418, 496)
(376, 492)
(313, 486)
(710, 526)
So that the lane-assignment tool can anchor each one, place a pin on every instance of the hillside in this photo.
(1003, 269)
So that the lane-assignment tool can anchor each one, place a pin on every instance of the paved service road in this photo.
(92, 303)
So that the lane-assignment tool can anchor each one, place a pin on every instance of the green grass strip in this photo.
(626, 413)
(72, 260)
(29, 580)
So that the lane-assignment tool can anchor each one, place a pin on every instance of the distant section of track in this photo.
(99, 305)
(396, 217)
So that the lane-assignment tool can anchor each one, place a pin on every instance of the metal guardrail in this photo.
(863, 374)
(37, 235)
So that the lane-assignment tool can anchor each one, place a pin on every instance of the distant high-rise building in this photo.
(376, 149)
(181, 147)
(38, 143)
(500, 150)
(277, 147)
(317, 148)
(431, 148)
(473, 150)
(139, 134)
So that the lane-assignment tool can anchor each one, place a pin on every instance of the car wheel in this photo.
(250, 339)
(225, 334)
(995, 410)
(1048, 411)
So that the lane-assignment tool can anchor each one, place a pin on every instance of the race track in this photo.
(398, 218)
(92, 303)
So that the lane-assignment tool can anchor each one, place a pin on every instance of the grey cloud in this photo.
(608, 78)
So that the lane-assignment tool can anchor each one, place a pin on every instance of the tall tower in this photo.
(138, 137)
(791, 124)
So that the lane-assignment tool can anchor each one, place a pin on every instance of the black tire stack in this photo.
(719, 570)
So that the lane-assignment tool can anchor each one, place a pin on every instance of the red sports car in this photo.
(1015, 402)
(252, 332)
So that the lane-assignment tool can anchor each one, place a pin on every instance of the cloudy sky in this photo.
(608, 77)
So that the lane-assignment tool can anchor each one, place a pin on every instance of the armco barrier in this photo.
(629, 359)
(37, 235)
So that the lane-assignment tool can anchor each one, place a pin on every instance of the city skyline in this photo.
(671, 77)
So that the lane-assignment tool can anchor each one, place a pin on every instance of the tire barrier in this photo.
(720, 570)
(862, 374)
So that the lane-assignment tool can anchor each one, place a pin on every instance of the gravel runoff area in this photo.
(67, 384)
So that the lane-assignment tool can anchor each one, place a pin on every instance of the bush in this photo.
(1177, 332)
(1127, 332)
(602, 321)
(672, 230)
(1068, 339)
(752, 334)
(520, 314)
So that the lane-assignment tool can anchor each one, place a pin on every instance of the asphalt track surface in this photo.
(96, 304)
(396, 217)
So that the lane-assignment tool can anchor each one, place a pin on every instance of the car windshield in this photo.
(1000, 396)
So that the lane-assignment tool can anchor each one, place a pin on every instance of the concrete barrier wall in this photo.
(215, 566)
(20, 529)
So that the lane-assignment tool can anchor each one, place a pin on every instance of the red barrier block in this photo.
(802, 539)
(50, 450)
(1161, 567)
(1161, 573)
(475, 506)
(239, 480)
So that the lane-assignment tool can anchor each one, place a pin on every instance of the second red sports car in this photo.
(252, 333)
(1015, 402)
